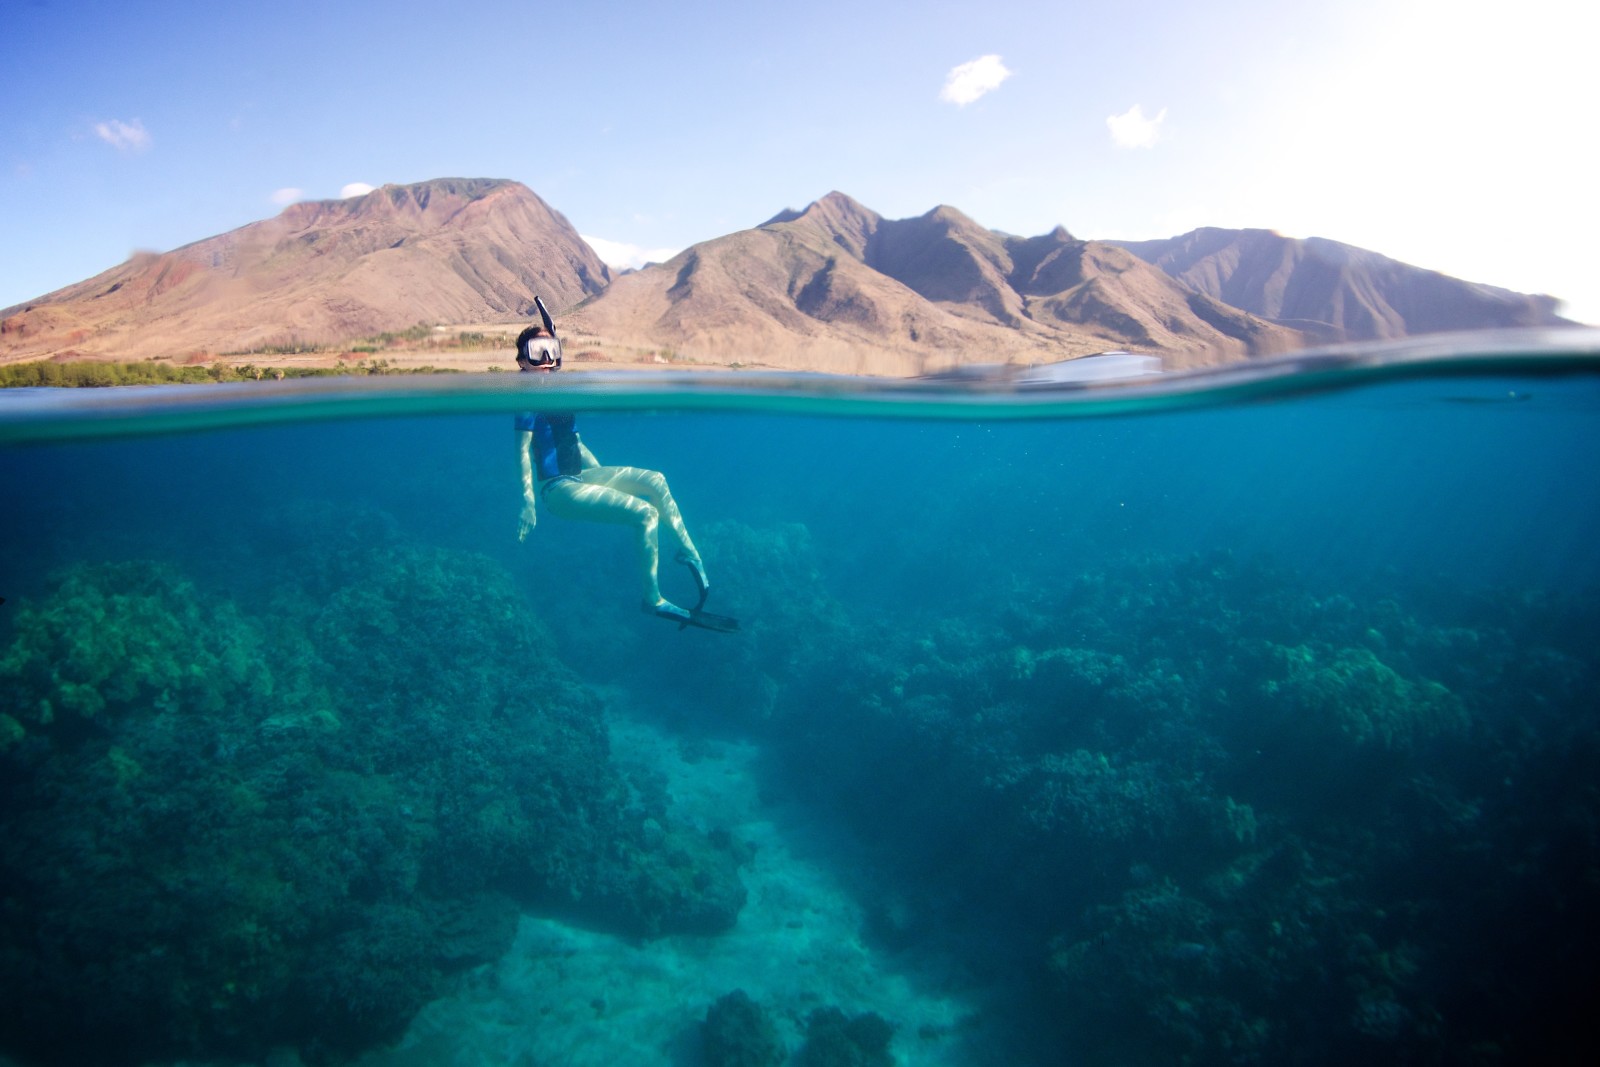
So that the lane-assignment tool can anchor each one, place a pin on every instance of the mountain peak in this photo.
(843, 201)
(832, 208)
(841, 219)
(429, 199)
(834, 205)
(948, 215)
(327, 272)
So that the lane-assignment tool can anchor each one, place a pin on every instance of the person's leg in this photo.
(595, 502)
(651, 486)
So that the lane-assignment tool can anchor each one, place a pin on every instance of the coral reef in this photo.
(1193, 809)
(834, 1039)
(228, 830)
(738, 1033)
(1350, 696)
(1211, 815)
(126, 637)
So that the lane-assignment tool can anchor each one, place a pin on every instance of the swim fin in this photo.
(706, 620)
(686, 617)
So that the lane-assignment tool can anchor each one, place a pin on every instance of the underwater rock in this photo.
(1380, 1017)
(834, 1039)
(683, 884)
(1241, 818)
(127, 638)
(1152, 965)
(737, 1032)
(11, 732)
(1349, 696)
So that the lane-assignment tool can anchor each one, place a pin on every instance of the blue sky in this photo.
(1451, 135)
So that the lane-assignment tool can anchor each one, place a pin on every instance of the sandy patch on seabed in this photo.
(572, 997)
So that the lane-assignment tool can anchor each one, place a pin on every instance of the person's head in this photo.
(538, 351)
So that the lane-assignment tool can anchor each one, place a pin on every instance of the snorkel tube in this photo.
(549, 327)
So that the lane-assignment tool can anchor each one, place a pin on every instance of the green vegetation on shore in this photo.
(159, 372)
(421, 335)
(163, 371)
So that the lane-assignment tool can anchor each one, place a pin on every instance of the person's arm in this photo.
(530, 511)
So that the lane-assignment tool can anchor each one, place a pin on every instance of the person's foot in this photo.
(664, 609)
(699, 569)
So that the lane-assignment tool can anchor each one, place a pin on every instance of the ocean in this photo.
(1229, 718)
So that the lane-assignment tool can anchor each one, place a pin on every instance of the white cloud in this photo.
(973, 79)
(284, 197)
(354, 189)
(1132, 130)
(123, 136)
(620, 254)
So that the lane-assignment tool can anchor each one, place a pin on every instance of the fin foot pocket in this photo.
(698, 569)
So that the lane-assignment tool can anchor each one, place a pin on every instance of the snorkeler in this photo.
(575, 485)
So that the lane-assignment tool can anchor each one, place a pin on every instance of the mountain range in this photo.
(837, 287)
(1336, 292)
(833, 287)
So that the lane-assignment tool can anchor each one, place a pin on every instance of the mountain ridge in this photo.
(323, 271)
(1334, 291)
(833, 286)
(820, 287)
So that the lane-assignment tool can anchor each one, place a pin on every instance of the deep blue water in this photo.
(1025, 675)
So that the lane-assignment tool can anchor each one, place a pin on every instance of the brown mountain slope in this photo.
(793, 293)
(1054, 289)
(837, 287)
(1333, 291)
(450, 250)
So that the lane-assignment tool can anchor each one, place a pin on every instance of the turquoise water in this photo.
(1217, 719)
